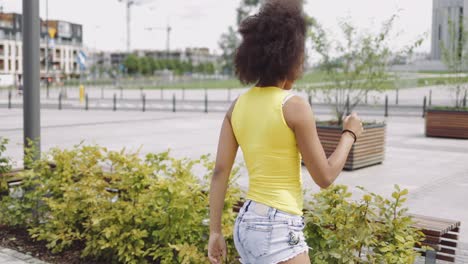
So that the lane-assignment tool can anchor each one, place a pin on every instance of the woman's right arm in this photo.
(300, 118)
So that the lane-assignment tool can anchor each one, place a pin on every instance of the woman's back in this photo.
(268, 228)
(270, 149)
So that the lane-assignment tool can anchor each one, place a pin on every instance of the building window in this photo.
(9, 65)
(2, 49)
(17, 65)
(2, 65)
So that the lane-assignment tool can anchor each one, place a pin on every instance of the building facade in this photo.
(65, 41)
(448, 17)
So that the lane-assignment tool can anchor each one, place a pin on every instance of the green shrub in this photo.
(372, 230)
(118, 207)
(5, 165)
(5, 162)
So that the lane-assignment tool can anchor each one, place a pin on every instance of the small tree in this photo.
(455, 57)
(187, 66)
(209, 68)
(230, 40)
(145, 65)
(355, 66)
(131, 63)
(156, 65)
(228, 44)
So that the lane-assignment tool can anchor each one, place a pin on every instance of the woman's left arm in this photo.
(227, 150)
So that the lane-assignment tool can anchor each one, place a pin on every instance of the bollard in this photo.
(9, 99)
(206, 103)
(102, 92)
(173, 103)
(366, 98)
(464, 100)
(386, 105)
(397, 95)
(347, 105)
(310, 99)
(86, 102)
(183, 93)
(430, 97)
(115, 102)
(143, 98)
(424, 107)
(47, 88)
(162, 94)
(121, 92)
(229, 95)
(60, 101)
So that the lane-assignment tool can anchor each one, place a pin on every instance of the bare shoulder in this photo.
(296, 110)
(231, 108)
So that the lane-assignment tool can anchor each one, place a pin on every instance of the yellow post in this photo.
(82, 93)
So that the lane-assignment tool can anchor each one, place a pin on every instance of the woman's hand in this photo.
(216, 248)
(353, 123)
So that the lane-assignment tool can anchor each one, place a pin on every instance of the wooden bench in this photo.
(441, 235)
(7, 179)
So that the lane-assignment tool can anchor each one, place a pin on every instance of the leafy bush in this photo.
(5, 162)
(5, 165)
(118, 207)
(372, 230)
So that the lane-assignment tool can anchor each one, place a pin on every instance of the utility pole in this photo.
(128, 4)
(31, 77)
(168, 40)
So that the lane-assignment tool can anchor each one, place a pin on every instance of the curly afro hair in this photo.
(273, 44)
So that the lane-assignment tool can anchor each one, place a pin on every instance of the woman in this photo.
(273, 128)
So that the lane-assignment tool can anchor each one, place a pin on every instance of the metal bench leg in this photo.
(430, 257)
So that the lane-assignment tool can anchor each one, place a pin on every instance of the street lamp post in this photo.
(47, 48)
(31, 78)
(168, 30)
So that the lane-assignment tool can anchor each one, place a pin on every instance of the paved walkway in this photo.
(440, 95)
(8, 256)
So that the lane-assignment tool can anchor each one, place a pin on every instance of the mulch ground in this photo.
(19, 240)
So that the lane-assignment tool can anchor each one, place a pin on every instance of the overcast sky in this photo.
(199, 23)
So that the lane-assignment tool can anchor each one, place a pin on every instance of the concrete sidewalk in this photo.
(435, 170)
(8, 256)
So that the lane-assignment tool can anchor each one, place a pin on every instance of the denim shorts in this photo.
(265, 235)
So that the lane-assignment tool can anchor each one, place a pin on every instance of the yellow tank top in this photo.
(270, 149)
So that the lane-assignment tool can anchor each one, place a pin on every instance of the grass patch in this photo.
(450, 108)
